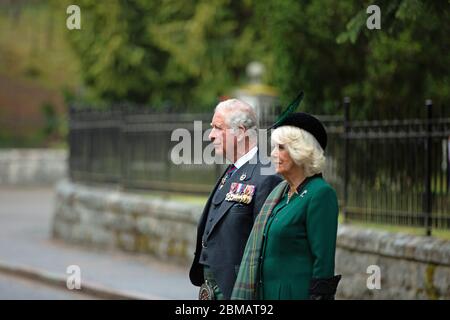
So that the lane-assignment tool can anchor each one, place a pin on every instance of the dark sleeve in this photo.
(264, 188)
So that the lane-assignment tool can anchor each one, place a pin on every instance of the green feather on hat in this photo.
(289, 110)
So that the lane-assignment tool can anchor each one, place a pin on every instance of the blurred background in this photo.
(86, 118)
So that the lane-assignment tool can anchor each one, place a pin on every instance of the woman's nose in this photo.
(274, 152)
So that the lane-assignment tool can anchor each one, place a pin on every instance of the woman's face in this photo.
(281, 159)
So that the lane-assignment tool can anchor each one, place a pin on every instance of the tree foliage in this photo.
(324, 47)
(164, 53)
(185, 54)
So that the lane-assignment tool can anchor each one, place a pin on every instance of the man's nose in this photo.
(211, 135)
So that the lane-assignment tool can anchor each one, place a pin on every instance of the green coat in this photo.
(299, 241)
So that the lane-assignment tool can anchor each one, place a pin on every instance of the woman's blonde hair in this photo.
(302, 147)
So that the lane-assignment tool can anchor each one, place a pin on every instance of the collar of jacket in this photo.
(305, 182)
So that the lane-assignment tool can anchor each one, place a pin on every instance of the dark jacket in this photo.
(230, 226)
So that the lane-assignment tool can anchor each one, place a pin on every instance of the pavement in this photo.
(33, 265)
(17, 288)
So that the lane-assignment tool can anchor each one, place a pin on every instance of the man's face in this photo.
(222, 136)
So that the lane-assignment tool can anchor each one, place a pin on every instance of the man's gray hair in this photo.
(238, 113)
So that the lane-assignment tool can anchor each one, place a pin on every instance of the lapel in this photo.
(208, 204)
(245, 173)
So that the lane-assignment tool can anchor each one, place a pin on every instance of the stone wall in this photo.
(131, 222)
(411, 267)
(32, 167)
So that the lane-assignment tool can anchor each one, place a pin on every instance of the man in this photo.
(234, 203)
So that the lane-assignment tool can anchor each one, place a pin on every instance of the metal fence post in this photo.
(122, 181)
(346, 157)
(428, 146)
(70, 138)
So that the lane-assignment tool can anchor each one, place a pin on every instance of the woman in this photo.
(291, 249)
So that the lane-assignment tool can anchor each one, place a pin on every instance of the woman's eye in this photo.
(281, 147)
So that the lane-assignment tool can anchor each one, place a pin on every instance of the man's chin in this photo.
(218, 152)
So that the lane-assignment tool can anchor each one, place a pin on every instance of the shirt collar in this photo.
(246, 157)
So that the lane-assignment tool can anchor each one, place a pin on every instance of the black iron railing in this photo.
(394, 172)
(397, 171)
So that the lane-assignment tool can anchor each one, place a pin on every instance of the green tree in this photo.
(324, 47)
(164, 52)
(118, 59)
(186, 54)
(302, 37)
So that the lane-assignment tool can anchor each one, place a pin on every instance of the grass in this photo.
(416, 231)
(179, 197)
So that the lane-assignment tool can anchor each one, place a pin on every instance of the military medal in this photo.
(224, 179)
(227, 175)
(241, 193)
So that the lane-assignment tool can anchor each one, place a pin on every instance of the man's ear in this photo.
(241, 133)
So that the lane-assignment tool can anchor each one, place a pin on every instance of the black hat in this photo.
(308, 123)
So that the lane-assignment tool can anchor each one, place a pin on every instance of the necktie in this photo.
(231, 170)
